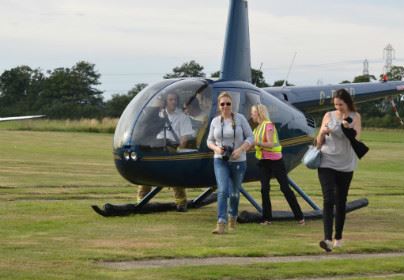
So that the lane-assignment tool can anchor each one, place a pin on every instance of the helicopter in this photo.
(144, 152)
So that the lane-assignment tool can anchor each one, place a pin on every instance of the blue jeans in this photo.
(229, 176)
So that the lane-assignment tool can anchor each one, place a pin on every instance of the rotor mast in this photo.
(236, 63)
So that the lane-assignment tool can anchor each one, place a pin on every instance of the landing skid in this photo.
(208, 197)
(317, 213)
(143, 207)
(254, 217)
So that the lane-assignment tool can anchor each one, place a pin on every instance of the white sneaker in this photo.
(337, 243)
(326, 245)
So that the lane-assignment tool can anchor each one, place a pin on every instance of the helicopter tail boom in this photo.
(319, 98)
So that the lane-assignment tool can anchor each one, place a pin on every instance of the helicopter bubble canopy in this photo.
(171, 115)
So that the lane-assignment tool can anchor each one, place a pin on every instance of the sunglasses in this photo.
(225, 104)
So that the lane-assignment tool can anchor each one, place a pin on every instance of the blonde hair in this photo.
(262, 112)
(224, 94)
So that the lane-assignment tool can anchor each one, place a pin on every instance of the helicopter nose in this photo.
(130, 155)
(126, 153)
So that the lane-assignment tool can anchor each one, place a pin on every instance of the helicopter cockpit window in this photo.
(125, 125)
(251, 98)
(175, 119)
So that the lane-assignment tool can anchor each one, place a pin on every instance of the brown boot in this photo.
(232, 223)
(219, 228)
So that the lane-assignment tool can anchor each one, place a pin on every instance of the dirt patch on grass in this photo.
(159, 263)
(128, 244)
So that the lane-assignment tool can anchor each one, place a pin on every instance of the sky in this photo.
(133, 41)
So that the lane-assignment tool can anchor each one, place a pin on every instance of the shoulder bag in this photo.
(312, 157)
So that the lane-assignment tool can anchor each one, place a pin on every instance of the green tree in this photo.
(19, 90)
(215, 74)
(188, 69)
(257, 77)
(396, 73)
(279, 83)
(71, 93)
(363, 79)
(115, 106)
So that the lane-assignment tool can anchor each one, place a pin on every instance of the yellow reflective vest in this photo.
(260, 137)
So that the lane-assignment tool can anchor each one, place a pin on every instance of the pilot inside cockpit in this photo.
(199, 119)
(194, 111)
(177, 127)
(174, 119)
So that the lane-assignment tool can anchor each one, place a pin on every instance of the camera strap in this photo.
(233, 125)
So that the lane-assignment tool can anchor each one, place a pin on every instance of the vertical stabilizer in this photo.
(236, 63)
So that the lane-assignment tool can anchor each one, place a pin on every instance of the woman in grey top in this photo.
(230, 136)
(338, 161)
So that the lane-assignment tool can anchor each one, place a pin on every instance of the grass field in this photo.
(105, 125)
(48, 180)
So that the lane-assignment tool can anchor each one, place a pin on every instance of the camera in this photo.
(227, 151)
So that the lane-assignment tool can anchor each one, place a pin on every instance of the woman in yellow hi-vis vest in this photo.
(269, 153)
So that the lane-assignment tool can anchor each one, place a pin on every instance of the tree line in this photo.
(71, 93)
(61, 93)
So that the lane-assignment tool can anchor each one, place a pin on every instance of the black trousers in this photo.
(335, 185)
(277, 169)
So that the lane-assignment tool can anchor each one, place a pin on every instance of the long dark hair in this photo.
(344, 95)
